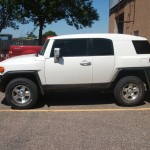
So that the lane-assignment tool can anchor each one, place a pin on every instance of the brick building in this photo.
(130, 17)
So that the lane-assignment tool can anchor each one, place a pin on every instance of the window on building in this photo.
(120, 22)
(136, 32)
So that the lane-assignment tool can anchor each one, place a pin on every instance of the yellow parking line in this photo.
(76, 110)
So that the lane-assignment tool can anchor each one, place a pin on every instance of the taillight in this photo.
(2, 56)
(10, 52)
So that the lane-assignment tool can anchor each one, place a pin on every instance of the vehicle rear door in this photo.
(103, 60)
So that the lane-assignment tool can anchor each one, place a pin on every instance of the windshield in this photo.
(44, 48)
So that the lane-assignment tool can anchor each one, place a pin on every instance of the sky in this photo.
(61, 27)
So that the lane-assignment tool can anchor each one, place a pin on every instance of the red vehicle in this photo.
(16, 50)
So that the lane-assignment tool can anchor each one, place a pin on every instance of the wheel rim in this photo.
(130, 92)
(21, 94)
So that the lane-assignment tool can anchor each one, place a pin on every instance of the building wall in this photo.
(136, 17)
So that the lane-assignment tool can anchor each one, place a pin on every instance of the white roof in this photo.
(107, 36)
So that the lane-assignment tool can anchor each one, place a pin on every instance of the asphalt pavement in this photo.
(75, 122)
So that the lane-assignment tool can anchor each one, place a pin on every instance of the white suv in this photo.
(120, 63)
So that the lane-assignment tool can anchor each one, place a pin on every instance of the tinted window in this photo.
(102, 47)
(142, 47)
(71, 47)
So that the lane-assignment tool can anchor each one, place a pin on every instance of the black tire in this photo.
(21, 93)
(129, 91)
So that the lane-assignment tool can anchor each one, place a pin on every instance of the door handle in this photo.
(85, 63)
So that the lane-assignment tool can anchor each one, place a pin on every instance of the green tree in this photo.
(49, 33)
(31, 35)
(78, 13)
(10, 14)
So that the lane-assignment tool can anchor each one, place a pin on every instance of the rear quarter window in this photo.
(142, 47)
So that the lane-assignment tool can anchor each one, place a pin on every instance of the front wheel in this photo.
(129, 91)
(21, 93)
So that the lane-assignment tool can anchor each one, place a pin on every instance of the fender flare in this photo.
(31, 74)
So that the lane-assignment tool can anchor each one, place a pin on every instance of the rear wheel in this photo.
(21, 93)
(129, 91)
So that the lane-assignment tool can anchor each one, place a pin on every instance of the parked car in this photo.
(16, 50)
(102, 62)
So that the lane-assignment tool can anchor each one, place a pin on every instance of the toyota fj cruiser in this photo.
(120, 63)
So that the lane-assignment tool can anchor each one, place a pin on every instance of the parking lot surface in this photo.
(77, 122)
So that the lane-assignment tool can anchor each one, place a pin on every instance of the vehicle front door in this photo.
(74, 66)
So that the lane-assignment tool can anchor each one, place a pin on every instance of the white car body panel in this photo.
(125, 55)
(103, 67)
(68, 71)
(25, 63)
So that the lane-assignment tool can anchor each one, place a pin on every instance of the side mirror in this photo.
(56, 55)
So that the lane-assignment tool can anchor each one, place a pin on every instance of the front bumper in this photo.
(1, 84)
